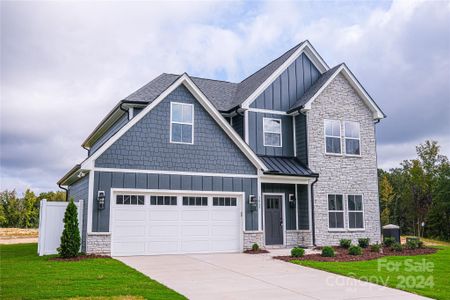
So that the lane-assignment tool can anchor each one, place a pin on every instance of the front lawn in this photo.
(425, 275)
(24, 275)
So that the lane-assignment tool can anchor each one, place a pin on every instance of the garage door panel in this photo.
(195, 230)
(129, 248)
(224, 245)
(130, 214)
(157, 230)
(161, 247)
(195, 215)
(195, 245)
(225, 214)
(164, 215)
(129, 230)
(218, 230)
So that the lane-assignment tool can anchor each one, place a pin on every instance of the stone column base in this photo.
(298, 238)
(98, 243)
(253, 237)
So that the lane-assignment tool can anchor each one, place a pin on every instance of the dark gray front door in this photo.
(273, 220)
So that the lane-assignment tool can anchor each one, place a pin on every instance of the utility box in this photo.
(392, 230)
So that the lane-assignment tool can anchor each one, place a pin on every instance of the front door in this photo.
(273, 220)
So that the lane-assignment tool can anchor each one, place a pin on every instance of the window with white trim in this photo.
(272, 132)
(181, 123)
(332, 136)
(335, 212)
(163, 200)
(355, 212)
(195, 201)
(130, 199)
(224, 201)
(352, 138)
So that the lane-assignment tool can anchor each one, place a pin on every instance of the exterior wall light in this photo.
(292, 200)
(101, 199)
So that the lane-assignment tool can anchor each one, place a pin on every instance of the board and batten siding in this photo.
(256, 135)
(80, 191)
(303, 207)
(301, 138)
(104, 181)
(289, 86)
(146, 145)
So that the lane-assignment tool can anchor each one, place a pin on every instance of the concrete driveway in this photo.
(245, 276)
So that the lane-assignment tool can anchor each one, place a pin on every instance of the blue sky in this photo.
(65, 65)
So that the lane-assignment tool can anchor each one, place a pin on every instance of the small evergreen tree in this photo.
(70, 238)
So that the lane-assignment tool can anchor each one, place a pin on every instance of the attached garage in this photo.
(151, 223)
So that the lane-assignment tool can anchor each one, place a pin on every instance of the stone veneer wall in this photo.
(251, 237)
(340, 174)
(98, 244)
(298, 238)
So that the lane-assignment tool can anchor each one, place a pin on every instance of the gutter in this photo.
(67, 191)
(312, 212)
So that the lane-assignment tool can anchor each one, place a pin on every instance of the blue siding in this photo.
(111, 131)
(301, 138)
(256, 142)
(286, 189)
(238, 125)
(146, 145)
(80, 191)
(104, 181)
(303, 207)
(289, 86)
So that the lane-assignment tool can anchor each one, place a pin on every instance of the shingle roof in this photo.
(290, 166)
(314, 88)
(224, 95)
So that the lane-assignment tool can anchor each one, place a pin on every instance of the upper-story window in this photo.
(181, 123)
(352, 138)
(333, 136)
(272, 132)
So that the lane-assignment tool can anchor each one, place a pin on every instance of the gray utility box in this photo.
(391, 230)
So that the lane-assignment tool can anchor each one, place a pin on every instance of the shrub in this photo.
(397, 247)
(70, 238)
(344, 243)
(327, 251)
(364, 242)
(255, 247)
(355, 250)
(375, 248)
(388, 241)
(414, 243)
(297, 252)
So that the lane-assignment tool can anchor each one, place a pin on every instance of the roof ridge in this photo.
(296, 46)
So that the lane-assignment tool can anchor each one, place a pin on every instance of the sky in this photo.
(64, 65)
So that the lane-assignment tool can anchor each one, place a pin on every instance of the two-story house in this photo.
(186, 164)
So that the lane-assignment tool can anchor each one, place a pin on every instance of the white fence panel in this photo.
(51, 224)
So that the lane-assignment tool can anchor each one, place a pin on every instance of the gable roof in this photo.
(319, 86)
(203, 100)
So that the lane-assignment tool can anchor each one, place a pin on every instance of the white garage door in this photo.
(146, 224)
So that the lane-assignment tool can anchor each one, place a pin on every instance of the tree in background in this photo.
(70, 238)
(30, 215)
(419, 193)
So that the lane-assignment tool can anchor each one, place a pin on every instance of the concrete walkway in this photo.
(257, 277)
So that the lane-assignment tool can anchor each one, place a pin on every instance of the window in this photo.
(272, 132)
(130, 199)
(181, 123)
(351, 130)
(355, 212)
(195, 201)
(163, 200)
(335, 212)
(224, 201)
(333, 136)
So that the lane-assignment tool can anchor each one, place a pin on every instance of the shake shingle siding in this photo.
(147, 145)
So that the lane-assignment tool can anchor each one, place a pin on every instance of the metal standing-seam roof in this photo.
(291, 166)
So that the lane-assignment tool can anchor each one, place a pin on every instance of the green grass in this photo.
(24, 275)
(433, 283)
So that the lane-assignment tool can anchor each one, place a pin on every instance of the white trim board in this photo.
(376, 112)
(201, 98)
(312, 55)
(116, 170)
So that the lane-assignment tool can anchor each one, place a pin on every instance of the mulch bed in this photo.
(79, 257)
(343, 256)
(260, 251)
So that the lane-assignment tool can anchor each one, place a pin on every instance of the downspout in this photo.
(67, 191)
(312, 212)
